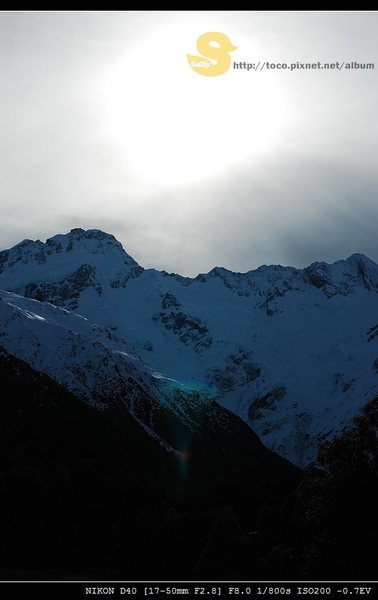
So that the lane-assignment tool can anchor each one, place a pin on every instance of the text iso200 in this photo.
(314, 590)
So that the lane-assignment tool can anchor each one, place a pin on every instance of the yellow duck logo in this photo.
(218, 53)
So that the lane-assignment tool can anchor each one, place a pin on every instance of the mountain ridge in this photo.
(103, 242)
(285, 349)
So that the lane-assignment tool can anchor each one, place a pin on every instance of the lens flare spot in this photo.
(183, 465)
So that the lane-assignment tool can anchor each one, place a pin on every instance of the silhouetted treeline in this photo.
(86, 495)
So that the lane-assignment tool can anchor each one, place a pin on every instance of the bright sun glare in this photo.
(174, 125)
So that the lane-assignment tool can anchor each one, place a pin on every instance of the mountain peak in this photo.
(94, 241)
(358, 258)
(65, 265)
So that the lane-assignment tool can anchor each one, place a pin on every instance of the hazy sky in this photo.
(105, 125)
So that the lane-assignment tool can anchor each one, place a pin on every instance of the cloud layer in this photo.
(309, 193)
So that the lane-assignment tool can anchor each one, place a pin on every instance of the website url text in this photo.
(298, 66)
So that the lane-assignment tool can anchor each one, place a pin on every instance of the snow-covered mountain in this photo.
(293, 352)
(91, 363)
